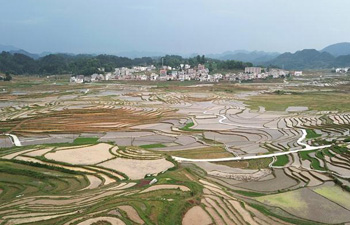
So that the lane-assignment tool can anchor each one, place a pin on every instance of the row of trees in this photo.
(211, 64)
(89, 64)
(65, 64)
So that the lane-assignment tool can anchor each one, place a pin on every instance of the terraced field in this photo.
(113, 153)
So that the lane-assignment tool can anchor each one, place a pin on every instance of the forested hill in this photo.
(63, 63)
(88, 64)
(309, 59)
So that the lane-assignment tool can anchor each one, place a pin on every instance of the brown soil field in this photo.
(83, 156)
(132, 213)
(165, 186)
(196, 216)
(84, 120)
(137, 169)
(110, 220)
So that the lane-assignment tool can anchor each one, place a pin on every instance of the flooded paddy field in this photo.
(123, 153)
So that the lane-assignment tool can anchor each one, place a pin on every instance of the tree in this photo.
(198, 59)
(203, 59)
(7, 77)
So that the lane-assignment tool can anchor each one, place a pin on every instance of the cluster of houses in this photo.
(183, 73)
(261, 73)
(342, 70)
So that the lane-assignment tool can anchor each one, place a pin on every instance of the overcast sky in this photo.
(173, 26)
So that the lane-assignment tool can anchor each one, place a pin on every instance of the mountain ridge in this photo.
(338, 49)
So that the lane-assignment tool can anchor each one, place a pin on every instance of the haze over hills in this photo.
(12, 49)
(254, 57)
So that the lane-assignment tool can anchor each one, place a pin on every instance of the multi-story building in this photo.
(255, 70)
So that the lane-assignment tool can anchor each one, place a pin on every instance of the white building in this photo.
(254, 70)
(154, 77)
(298, 73)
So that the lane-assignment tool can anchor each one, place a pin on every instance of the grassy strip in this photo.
(187, 127)
(249, 193)
(326, 101)
(312, 134)
(45, 166)
(202, 153)
(282, 160)
(85, 140)
(327, 153)
(339, 149)
(248, 164)
(153, 146)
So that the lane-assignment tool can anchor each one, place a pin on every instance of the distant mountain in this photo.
(138, 54)
(255, 57)
(7, 48)
(23, 52)
(342, 61)
(304, 59)
(338, 49)
(11, 49)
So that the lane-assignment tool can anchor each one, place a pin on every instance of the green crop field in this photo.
(282, 160)
(152, 146)
(328, 101)
(312, 134)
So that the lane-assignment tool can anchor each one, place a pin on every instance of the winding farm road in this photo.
(299, 141)
(223, 117)
(15, 139)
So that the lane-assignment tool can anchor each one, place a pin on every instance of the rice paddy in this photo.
(150, 154)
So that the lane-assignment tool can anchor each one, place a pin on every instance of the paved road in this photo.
(15, 139)
(223, 117)
(307, 148)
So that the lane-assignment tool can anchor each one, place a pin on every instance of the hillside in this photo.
(255, 57)
(304, 59)
(338, 49)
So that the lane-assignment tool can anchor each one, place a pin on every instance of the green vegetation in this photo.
(88, 64)
(249, 193)
(23, 177)
(6, 78)
(320, 155)
(248, 164)
(268, 212)
(65, 64)
(202, 153)
(291, 199)
(306, 59)
(315, 163)
(339, 149)
(311, 134)
(321, 101)
(327, 153)
(152, 146)
(336, 194)
(282, 160)
(187, 127)
(85, 140)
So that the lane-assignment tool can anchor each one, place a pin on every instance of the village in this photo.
(342, 70)
(183, 73)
